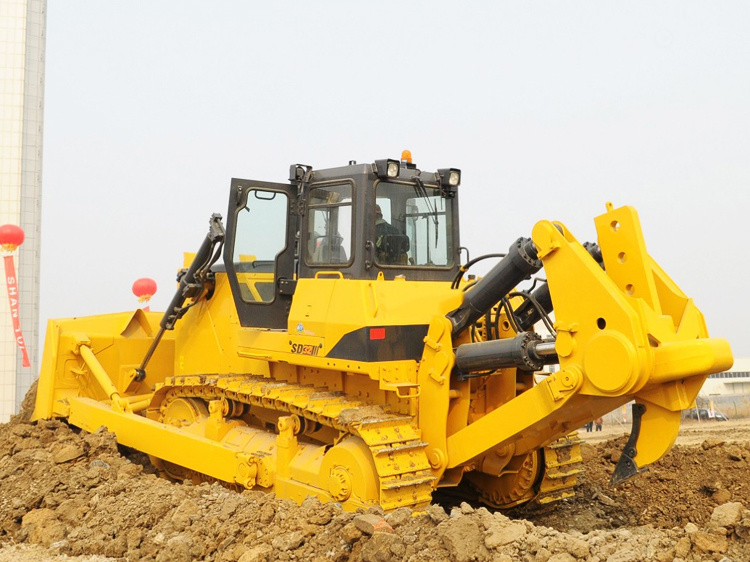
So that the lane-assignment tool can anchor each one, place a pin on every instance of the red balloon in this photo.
(11, 235)
(144, 287)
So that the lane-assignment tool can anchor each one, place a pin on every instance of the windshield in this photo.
(413, 226)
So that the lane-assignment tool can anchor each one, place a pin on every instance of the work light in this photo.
(450, 177)
(386, 169)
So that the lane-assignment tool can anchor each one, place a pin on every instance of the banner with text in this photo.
(10, 279)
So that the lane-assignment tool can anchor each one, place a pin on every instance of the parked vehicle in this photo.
(703, 414)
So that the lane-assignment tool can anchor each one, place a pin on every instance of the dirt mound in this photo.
(76, 494)
(683, 487)
(27, 406)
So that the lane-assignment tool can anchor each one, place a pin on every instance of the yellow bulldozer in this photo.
(330, 342)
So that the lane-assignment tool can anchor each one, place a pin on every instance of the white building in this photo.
(22, 43)
(736, 381)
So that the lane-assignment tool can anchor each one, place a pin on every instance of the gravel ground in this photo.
(68, 495)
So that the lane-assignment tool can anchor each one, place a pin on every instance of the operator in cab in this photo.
(390, 244)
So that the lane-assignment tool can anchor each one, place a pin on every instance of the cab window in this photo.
(329, 225)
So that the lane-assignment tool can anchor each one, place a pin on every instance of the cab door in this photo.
(259, 253)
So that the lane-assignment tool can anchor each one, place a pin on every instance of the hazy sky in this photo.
(550, 109)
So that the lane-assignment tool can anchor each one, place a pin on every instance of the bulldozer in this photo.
(329, 341)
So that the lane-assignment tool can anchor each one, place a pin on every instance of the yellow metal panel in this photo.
(593, 317)
(331, 308)
(624, 253)
(434, 381)
(206, 337)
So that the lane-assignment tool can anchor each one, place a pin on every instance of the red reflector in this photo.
(377, 333)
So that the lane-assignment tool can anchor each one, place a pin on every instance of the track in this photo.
(403, 471)
(405, 479)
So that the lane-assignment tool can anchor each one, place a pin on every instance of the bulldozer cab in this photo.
(359, 221)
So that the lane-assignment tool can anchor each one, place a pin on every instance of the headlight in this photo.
(449, 177)
(387, 169)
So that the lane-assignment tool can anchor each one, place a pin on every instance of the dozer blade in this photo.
(652, 436)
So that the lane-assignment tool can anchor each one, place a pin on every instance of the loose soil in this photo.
(69, 495)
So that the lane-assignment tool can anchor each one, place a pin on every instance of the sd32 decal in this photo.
(306, 348)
